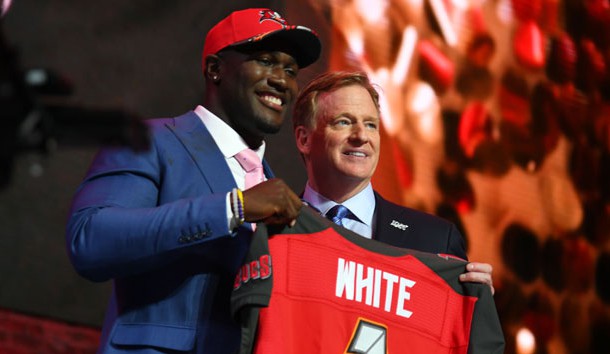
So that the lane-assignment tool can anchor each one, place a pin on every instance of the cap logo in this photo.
(268, 15)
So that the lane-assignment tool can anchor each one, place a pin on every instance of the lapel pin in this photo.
(398, 225)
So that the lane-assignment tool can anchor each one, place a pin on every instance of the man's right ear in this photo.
(302, 136)
(212, 68)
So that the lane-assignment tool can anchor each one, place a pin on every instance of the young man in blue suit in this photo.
(171, 225)
(336, 123)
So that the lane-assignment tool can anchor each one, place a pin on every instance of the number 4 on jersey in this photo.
(368, 338)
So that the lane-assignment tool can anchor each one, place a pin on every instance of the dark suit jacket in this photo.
(155, 222)
(408, 228)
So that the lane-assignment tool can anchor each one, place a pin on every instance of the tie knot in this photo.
(248, 159)
(338, 213)
(251, 163)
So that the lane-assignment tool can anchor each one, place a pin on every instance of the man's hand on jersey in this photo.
(479, 273)
(271, 202)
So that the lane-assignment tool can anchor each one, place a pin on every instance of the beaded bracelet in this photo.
(241, 205)
(237, 205)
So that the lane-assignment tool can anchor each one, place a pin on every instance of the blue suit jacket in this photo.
(155, 222)
(409, 228)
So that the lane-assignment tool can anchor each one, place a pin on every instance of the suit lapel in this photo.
(268, 173)
(391, 225)
(201, 146)
(198, 141)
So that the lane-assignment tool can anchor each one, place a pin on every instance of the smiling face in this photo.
(342, 150)
(256, 88)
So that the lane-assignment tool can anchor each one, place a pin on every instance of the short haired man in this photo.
(171, 225)
(336, 123)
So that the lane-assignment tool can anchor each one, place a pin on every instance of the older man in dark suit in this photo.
(336, 125)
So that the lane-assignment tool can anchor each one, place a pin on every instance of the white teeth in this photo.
(273, 99)
(356, 153)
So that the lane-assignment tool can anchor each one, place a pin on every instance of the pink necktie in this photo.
(251, 163)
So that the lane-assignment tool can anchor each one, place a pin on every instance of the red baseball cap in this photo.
(253, 25)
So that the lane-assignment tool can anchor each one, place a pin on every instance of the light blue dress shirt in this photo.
(362, 205)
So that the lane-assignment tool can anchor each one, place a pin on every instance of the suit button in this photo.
(207, 231)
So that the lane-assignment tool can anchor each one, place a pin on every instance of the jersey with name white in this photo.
(336, 292)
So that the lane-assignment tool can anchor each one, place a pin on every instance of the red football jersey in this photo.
(336, 292)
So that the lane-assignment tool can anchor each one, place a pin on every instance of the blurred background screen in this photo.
(496, 115)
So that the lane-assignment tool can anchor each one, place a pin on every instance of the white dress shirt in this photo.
(229, 143)
(362, 205)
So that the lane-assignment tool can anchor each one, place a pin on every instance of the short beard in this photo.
(269, 128)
